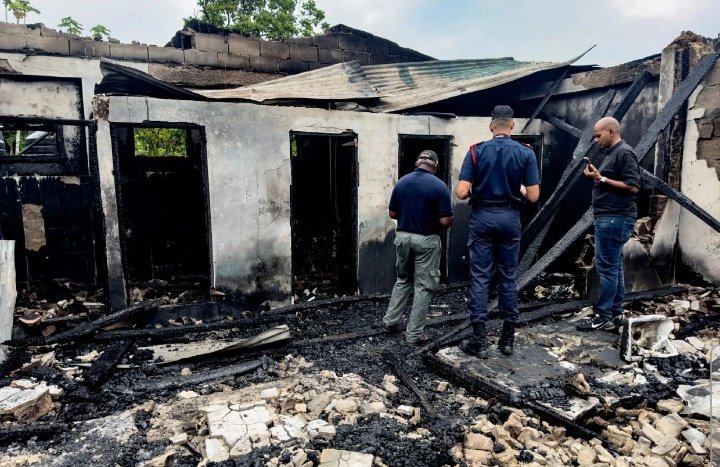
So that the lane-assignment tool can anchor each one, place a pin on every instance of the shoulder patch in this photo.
(472, 152)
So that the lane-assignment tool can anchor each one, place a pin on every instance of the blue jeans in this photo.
(611, 233)
(494, 240)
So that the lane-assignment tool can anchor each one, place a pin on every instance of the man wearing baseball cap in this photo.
(420, 202)
(497, 176)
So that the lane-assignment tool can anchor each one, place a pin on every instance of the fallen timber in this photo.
(572, 173)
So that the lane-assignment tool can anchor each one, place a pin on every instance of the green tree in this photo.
(20, 9)
(268, 19)
(154, 142)
(98, 31)
(70, 25)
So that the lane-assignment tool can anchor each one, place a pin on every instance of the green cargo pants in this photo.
(418, 266)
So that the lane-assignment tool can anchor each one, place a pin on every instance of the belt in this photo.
(497, 206)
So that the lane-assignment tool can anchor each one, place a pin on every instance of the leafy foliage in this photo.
(19, 9)
(70, 25)
(268, 19)
(98, 31)
(160, 142)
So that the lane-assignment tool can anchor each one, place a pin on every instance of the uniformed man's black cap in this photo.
(502, 111)
(428, 155)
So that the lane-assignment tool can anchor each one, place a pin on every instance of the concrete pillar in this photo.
(108, 196)
(8, 290)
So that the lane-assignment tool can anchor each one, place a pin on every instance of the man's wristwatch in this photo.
(603, 179)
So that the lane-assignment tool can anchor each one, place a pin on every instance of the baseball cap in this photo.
(427, 156)
(502, 111)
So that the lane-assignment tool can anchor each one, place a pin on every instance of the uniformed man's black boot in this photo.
(477, 344)
(507, 338)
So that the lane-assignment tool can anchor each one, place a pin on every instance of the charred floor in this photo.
(165, 383)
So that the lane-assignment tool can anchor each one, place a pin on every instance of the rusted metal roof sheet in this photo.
(344, 81)
(393, 87)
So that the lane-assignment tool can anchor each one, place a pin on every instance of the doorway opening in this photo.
(163, 204)
(528, 210)
(410, 147)
(323, 212)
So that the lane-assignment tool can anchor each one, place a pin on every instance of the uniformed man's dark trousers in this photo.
(494, 239)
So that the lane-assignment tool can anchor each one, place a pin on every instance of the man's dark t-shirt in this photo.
(420, 199)
(619, 164)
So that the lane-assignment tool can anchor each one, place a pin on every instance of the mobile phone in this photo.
(587, 160)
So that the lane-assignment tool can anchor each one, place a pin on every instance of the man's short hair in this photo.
(502, 112)
(428, 156)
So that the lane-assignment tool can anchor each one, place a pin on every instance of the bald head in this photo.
(607, 132)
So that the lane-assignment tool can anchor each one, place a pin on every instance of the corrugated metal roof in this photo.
(396, 86)
(344, 81)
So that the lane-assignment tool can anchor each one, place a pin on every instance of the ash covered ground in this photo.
(366, 397)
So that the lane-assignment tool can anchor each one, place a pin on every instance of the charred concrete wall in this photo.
(698, 245)
(249, 177)
(47, 195)
(225, 59)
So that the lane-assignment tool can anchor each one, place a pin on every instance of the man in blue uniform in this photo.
(496, 175)
(421, 204)
(617, 182)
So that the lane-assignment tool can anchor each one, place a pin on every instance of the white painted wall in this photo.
(248, 150)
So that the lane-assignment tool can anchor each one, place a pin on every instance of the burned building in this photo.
(280, 185)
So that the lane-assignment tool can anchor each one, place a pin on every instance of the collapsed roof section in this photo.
(380, 88)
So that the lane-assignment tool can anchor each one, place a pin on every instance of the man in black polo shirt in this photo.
(617, 182)
(496, 175)
(421, 204)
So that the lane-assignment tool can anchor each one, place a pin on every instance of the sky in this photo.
(529, 30)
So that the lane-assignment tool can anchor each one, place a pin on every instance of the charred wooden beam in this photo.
(680, 198)
(14, 360)
(537, 230)
(105, 365)
(674, 104)
(561, 124)
(326, 302)
(408, 382)
(175, 382)
(171, 332)
(90, 327)
(545, 99)
(563, 187)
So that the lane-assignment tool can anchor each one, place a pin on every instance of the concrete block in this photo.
(304, 53)
(377, 45)
(274, 49)
(166, 54)
(52, 45)
(129, 52)
(337, 458)
(265, 64)
(216, 450)
(327, 41)
(350, 42)
(300, 40)
(233, 61)
(12, 42)
(210, 42)
(239, 45)
(201, 58)
(478, 441)
(376, 59)
(363, 58)
(331, 56)
(88, 48)
(316, 65)
(270, 393)
(19, 29)
(293, 66)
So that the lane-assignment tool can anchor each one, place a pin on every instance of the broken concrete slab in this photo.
(338, 458)
(647, 336)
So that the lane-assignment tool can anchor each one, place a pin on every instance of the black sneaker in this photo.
(596, 323)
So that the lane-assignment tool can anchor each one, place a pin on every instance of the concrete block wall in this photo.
(228, 51)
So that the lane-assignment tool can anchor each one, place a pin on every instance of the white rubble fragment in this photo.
(315, 425)
(405, 410)
(327, 432)
(23, 384)
(179, 438)
(188, 394)
(270, 393)
(279, 433)
(346, 405)
(89, 357)
(337, 458)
